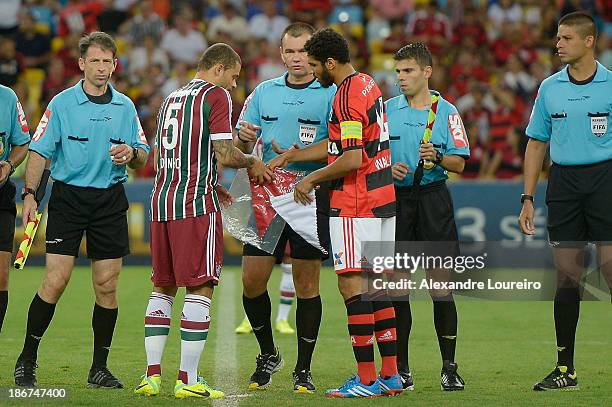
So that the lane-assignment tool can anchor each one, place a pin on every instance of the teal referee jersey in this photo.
(575, 118)
(289, 114)
(13, 125)
(406, 128)
(77, 134)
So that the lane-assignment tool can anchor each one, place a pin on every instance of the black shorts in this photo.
(426, 215)
(300, 248)
(8, 212)
(100, 213)
(579, 203)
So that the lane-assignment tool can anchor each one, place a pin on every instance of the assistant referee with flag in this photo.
(90, 132)
(428, 140)
(572, 113)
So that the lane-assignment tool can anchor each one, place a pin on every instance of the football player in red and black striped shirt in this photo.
(362, 205)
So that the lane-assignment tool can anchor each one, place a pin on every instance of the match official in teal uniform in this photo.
(289, 110)
(90, 133)
(14, 139)
(572, 115)
(428, 140)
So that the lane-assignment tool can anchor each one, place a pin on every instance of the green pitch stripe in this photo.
(193, 335)
(156, 331)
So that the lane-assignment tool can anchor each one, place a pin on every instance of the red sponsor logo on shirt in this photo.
(22, 119)
(141, 134)
(42, 125)
(455, 125)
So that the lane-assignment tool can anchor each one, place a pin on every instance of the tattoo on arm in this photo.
(230, 156)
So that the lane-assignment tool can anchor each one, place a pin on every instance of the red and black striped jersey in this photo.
(358, 121)
(188, 121)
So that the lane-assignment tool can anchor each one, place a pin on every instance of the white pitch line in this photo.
(226, 359)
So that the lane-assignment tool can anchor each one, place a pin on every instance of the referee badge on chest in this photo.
(308, 134)
(599, 123)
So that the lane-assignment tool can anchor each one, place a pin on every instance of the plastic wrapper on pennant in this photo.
(251, 219)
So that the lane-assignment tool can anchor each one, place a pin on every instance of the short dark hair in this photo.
(99, 38)
(417, 51)
(219, 53)
(327, 43)
(582, 22)
(297, 29)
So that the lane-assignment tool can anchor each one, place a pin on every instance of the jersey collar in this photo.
(601, 75)
(82, 97)
(402, 102)
(280, 81)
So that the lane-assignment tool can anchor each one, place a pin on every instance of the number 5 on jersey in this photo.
(169, 141)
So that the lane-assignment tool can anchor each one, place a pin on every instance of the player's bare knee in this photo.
(305, 288)
(253, 284)
(441, 293)
(171, 290)
(53, 287)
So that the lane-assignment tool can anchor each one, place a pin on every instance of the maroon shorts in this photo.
(187, 252)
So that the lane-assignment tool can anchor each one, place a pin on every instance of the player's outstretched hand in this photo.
(280, 161)
(279, 150)
(302, 191)
(260, 172)
(400, 170)
(526, 218)
(29, 209)
(248, 132)
(225, 198)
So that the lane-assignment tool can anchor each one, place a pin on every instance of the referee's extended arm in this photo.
(534, 158)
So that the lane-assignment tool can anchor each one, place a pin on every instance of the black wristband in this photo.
(12, 167)
(27, 191)
(525, 197)
(134, 154)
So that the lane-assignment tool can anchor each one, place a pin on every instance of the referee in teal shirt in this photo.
(89, 133)
(572, 114)
(14, 139)
(290, 110)
(424, 205)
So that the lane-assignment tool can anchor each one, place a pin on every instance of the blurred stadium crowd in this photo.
(490, 56)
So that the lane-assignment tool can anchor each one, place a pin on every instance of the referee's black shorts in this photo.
(300, 248)
(579, 200)
(100, 213)
(425, 215)
(7, 216)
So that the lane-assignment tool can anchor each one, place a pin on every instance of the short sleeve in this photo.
(20, 134)
(220, 117)
(48, 133)
(351, 113)
(139, 139)
(250, 110)
(539, 127)
(456, 136)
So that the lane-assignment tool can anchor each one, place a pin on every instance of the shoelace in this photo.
(348, 383)
(303, 376)
(264, 363)
(102, 375)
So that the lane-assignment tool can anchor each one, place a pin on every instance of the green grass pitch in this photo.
(503, 348)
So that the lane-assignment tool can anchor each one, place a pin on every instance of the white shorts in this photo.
(348, 236)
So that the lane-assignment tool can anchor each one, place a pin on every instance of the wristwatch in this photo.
(525, 197)
(439, 157)
(27, 191)
(12, 167)
(134, 154)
